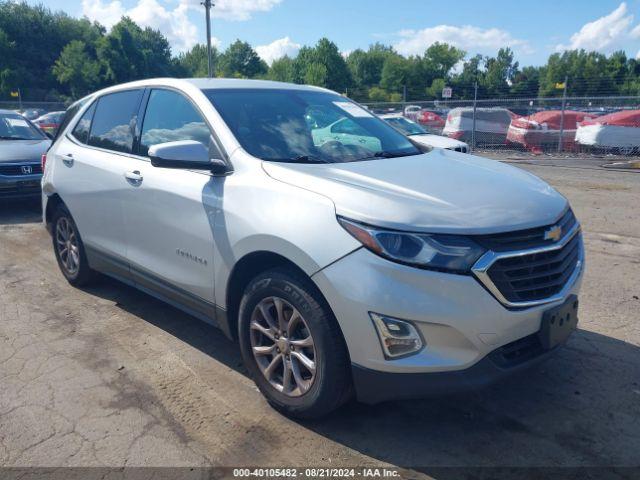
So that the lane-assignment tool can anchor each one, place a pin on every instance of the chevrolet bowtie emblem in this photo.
(553, 233)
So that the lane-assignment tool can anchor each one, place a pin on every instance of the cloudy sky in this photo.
(278, 27)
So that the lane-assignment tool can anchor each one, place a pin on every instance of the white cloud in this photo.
(239, 9)
(174, 24)
(606, 33)
(108, 14)
(174, 21)
(278, 49)
(467, 37)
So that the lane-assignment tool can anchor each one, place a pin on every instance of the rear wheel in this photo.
(69, 249)
(292, 345)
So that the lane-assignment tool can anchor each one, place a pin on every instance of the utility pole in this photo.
(564, 104)
(473, 128)
(207, 7)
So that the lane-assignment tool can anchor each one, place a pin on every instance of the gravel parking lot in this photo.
(108, 376)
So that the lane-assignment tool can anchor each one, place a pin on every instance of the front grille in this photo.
(16, 169)
(14, 189)
(524, 239)
(536, 276)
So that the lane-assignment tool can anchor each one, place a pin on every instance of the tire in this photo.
(75, 255)
(308, 393)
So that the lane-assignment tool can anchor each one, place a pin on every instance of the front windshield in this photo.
(16, 127)
(406, 126)
(306, 126)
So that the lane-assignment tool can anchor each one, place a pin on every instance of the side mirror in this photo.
(186, 154)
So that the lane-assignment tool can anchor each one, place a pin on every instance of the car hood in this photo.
(441, 192)
(437, 141)
(23, 150)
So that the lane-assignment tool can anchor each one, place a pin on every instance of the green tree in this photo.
(282, 70)
(463, 83)
(240, 60)
(77, 68)
(440, 58)
(499, 73)
(435, 90)
(366, 66)
(395, 73)
(39, 37)
(325, 53)
(589, 73)
(130, 53)
(377, 94)
(526, 82)
(194, 63)
(7, 74)
(316, 74)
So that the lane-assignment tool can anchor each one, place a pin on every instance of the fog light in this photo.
(399, 338)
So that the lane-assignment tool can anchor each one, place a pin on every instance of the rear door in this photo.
(94, 158)
(169, 213)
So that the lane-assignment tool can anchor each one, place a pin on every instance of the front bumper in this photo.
(374, 386)
(460, 321)
(20, 186)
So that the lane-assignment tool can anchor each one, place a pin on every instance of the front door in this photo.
(169, 213)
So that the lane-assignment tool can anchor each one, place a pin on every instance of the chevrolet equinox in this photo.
(344, 258)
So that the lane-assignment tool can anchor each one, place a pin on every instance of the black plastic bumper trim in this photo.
(373, 386)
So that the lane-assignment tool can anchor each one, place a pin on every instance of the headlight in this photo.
(452, 253)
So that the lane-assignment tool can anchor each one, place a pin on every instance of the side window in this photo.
(81, 130)
(170, 117)
(113, 122)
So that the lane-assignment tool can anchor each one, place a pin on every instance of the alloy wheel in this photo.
(67, 245)
(282, 346)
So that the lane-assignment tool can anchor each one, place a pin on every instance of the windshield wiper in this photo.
(300, 159)
(5, 137)
(388, 154)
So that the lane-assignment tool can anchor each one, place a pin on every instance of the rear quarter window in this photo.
(68, 116)
(81, 130)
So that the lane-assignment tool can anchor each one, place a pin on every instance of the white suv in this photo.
(344, 262)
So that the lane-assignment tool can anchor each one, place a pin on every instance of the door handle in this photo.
(134, 178)
(68, 159)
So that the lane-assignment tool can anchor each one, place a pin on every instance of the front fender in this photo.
(258, 214)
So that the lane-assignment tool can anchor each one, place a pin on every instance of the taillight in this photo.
(43, 161)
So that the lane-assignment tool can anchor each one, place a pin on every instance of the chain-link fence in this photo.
(571, 125)
(598, 125)
(30, 109)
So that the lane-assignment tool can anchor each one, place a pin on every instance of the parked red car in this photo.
(49, 122)
(431, 121)
(542, 129)
(619, 131)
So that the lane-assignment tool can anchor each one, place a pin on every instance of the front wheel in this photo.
(292, 345)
